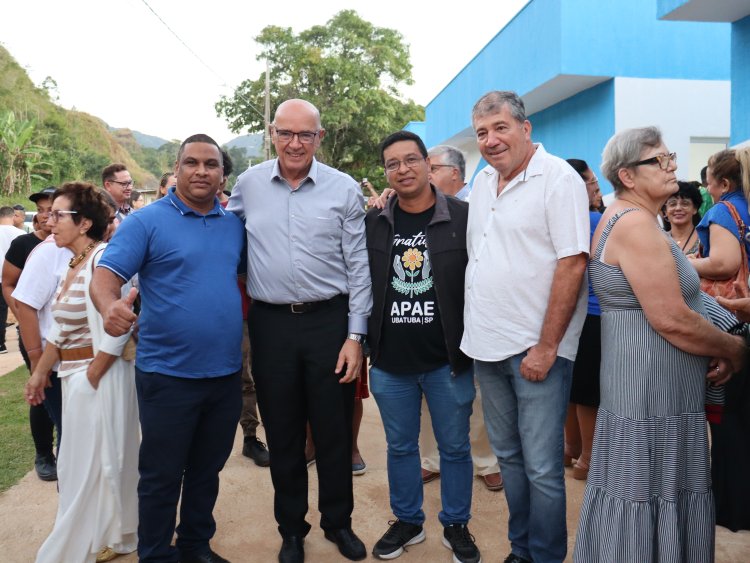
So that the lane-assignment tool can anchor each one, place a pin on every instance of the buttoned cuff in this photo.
(358, 324)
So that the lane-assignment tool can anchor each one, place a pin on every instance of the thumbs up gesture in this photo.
(120, 316)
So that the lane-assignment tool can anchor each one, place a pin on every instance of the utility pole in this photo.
(267, 114)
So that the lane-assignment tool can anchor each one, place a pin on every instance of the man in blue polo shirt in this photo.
(186, 251)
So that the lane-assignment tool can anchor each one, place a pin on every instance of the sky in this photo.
(116, 60)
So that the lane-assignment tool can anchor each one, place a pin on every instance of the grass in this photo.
(16, 445)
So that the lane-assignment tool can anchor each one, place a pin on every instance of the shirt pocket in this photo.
(320, 235)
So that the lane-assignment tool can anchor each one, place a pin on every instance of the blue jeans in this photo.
(449, 399)
(525, 421)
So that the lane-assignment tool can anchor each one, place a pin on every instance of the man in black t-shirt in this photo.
(417, 251)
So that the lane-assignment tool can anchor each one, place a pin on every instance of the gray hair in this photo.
(625, 148)
(453, 157)
(493, 102)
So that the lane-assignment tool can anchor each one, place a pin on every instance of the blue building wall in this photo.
(664, 7)
(549, 38)
(418, 128)
(740, 81)
(579, 127)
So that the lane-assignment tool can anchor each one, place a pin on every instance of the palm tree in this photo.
(19, 158)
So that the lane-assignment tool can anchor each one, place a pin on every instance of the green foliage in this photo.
(16, 445)
(20, 159)
(70, 145)
(350, 70)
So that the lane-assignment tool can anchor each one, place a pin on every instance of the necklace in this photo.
(78, 259)
(687, 240)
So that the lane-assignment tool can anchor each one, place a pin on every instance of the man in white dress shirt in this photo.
(528, 239)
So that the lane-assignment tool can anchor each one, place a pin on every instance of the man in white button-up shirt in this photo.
(528, 239)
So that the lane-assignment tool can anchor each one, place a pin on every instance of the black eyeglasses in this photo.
(662, 160)
(409, 161)
(123, 184)
(305, 137)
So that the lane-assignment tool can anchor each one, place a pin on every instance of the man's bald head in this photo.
(297, 106)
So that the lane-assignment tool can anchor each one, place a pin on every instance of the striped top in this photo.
(648, 495)
(69, 314)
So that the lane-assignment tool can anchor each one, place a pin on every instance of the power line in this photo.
(204, 63)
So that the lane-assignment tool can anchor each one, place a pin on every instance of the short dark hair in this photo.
(19, 207)
(109, 172)
(227, 162)
(402, 136)
(6, 211)
(578, 165)
(89, 203)
(134, 195)
(197, 138)
(704, 180)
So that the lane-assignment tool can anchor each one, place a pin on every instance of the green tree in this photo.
(350, 69)
(20, 159)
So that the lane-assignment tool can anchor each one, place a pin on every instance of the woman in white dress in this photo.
(98, 461)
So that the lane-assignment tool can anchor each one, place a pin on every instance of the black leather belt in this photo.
(300, 308)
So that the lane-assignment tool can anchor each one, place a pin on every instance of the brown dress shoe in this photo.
(428, 475)
(493, 481)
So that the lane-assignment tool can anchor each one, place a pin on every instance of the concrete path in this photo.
(246, 530)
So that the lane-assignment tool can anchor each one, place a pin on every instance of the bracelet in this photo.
(33, 349)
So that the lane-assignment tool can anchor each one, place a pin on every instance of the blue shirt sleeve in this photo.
(126, 252)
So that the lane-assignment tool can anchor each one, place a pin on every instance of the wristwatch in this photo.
(359, 338)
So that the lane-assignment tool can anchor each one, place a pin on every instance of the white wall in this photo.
(682, 109)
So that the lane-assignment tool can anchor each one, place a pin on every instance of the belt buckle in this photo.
(297, 308)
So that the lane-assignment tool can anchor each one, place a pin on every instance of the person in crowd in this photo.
(447, 171)
(682, 217)
(641, 504)
(8, 232)
(730, 446)
(584, 390)
(117, 181)
(40, 421)
(168, 181)
(136, 200)
(310, 287)
(416, 246)
(525, 307)
(19, 216)
(189, 400)
(97, 465)
(719, 233)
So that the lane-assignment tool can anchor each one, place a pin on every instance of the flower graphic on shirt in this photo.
(412, 259)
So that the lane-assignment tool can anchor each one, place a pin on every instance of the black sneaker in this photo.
(513, 558)
(457, 538)
(3, 349)
(399, 535)
(46, 467)
(256, 450)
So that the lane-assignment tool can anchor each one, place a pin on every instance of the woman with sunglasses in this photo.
(97, 464)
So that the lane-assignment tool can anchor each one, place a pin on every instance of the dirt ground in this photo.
(246, 530)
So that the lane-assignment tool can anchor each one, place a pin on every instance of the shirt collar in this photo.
(184, 209)
(312, 175)
(440, 214)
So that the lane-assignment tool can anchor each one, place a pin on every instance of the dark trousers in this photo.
(42, 427)
(3, 316)
(187, 428)
(294, 358)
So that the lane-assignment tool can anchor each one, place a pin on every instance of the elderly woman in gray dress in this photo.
(648, 496)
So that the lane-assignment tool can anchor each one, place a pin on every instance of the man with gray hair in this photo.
(309, 280)
(448, 170)
(528, 240)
